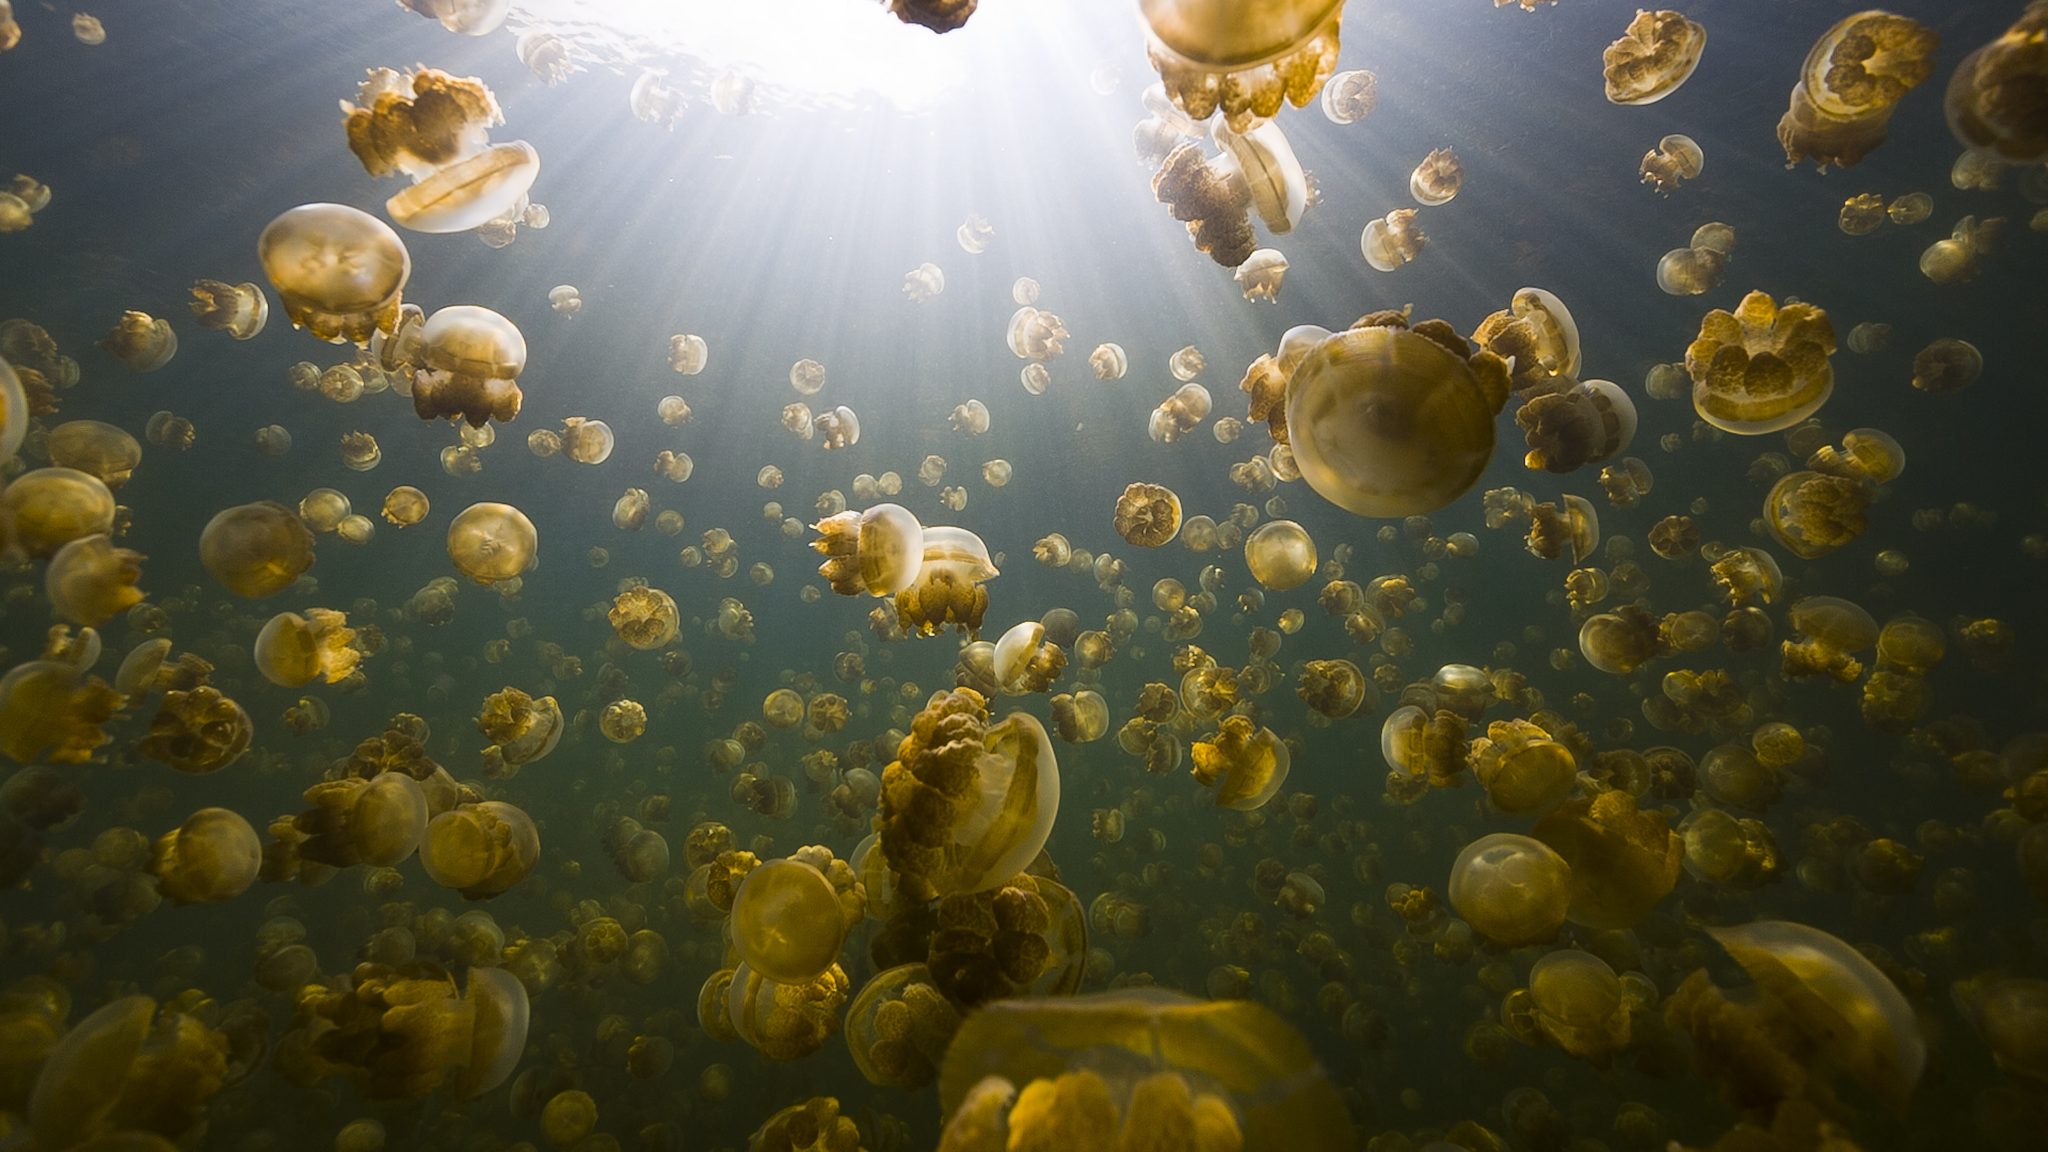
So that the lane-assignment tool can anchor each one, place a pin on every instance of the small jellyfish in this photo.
(546, 55)
(1675, 159)
(1861, 214)
(1210, 57)
(255, 550)
(1349, 97)
(1215, 208)
(1437, 179)
(970, 418)
(240, 310)
(88, 30)
(838, 428)
(480, 850)
(339, 271)
(492, 542)
(1945, 365)
(586, 441)
(923, 282)
(687, 354)
(468, 17)
(653, 100)
(565, 300)
(1393, 240)
(1656, 53)
(1109, 361)
(359, 451)
(141, 341)
(1180, 413)
(1035, 334)
(974, 235)
(1186, 363)
(1856, 73)
(1762, 368)
(405, 506)
(92, 447)
(629, 511)
(295, 649)
(1993, 100)
(471, 361)
(1260, 276)
(1960, 256)
(1280, 554)
(10, 29)
(1911, 208)
(1246, 765)
(1147, 515)
(807, 376)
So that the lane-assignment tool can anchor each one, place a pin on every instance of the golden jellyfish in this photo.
(1180, 413)
(1388, 421)
(879, 551)
(1392, 240)
(1351, 96)
(1993, 100)
(48, 710)
(434, 128)
(1676, 159)
(968, 802)
(974, 234)
(294, 649)
(14, 411)
(521, 728)
(1035, 334)
(1023, 661)
(1260, 276)
(480, 850)
(1147, 515)
(10, 29)
(1521, 768)
(214, 855)
(1945, 365)
(89, 581)
(786, 923)
(687, 355)
(785, 1021)
(1210, 55)
(1136, 1065)
(1656, 53)
(623, 721)
(240, 310)
(1761, 368)
(923, 282)
(1861, 214)
(1215, 207)
(490, 542)
(468, 17)
(898, 1027)
(1080, 717)
(1333, 688)
(197, 731)
(1569, 529)
(645, 618)
(1245, 764)
(1812, 514)
(169, 430)
(339, 271)
(1839, 1006)
(629, 511)
(1579, 1004)
(405, 506)
(1856, 73)
(255, 550)
(1623, 859)
(1513, 890)
(1697, 267)
(141, 341)
(323, 509)
(939, 16)
(837, 429)
(1436, 179)
(1265, 162)
(1108, 361)
(1280, 554)
(947, 590)
(503, 1013)
(1589, 423)
(472, 358)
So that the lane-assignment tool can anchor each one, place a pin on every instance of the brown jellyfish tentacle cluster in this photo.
(1216, 210)
(938, 15)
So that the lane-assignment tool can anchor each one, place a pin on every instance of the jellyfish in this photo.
(940, 16)
(837, 429)
(1960, 255)
(1246, 765)
(1385, 420)
(405, 506)
(878, 551)
(1579, 1004)
(1188, 1073)
(923, 282)
(99, 450)
(1180, 413)
(1208, 57)
(547, 57)
(970, 418)
(141, 341)
(521, 728)
(1623, 860)
(240, 310)
(468, 17)
(1676, 159)
(89, 581)
(1993, 100)
(197, 731)
(472, 360)
(1393, 240)
(1280, 554)
(1592, 422)
(1521, 767)
(1656, 53)
(1856, 73)
(1436, 179)
(434, 128)
(1945, 365)
(491, 542)
(1762, 368)
(1215, 207)
(786, 922)
(1333, 688)
(214, 855)
(294, 649)
(898, 1027)
(974, 235)
(687, 355)
(255, 550)
(480, 850)
(1264, 161)
(1260, 276)
(1697, 268)
(968, 802)
(339, 271)
(1024, 661)
(588, 441)
(1349, 97)
(783, 1021)
(1812, 513)
(10, 29)
(1035, 334)
(1147, 515)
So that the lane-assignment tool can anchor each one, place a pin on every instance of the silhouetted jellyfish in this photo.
(214, 855)
(468, 17)
(1855, 75)
(1761, 368)
(1994, 99)
(471, 360)
(786, 922)
(89, 581)
(968, 802)
(481, 850)
(879, 551)
(1349, 97)
(1210, 56)
(1656, 53)
(1945, 365)
(1392, 240)
(1215, 208)
(240, 310)
(1675, 159)
(339, 271)
(256, 550)
(1147, 515)
(1216, 1075)
(1385, 420)
(141, 341)
(1437, 178)
(490, 542)
(1260, 276)
(938, 15)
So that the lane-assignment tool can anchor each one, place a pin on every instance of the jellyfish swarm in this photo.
(1994, 99)
(1385, 420)
(1221, 1074)
(1243, 60)
(1857, 72)
(435, 127)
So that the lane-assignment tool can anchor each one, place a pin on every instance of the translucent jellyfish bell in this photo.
(968, 805)
(1393, 240)
(880, 550)
(1656, 53)
(1265, 160)
(491, 542)
(1350, 96)
(1280, 554)
(1512, 889)
(786, 922)
(468, 17)
(339, 271)
(1761, 368)
(1437, 178)
(469, 193)
(1992, 101)
(1211, 53)
(472, 358)
(1260, 275)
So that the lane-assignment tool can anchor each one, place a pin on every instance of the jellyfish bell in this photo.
(471, 359)
(1265, 161)
(1656, 54)
(879, 550)
(786, 921)
(1761, 368)
(1212, 53)
(1280, 554)
(1437, 179)
(1993, 99)
(468, 17)
(339, 271)
(491, 542)
(1512, 889)
(256, 550)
